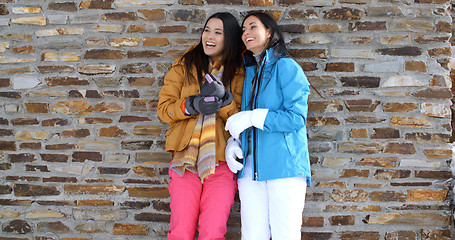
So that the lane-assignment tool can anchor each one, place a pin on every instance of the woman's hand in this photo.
(240, 121)
(214, 87)
(205, 105)
(233, 152)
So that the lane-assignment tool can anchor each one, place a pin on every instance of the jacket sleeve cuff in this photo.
(258, 117)
(178, 111)
(183, 108)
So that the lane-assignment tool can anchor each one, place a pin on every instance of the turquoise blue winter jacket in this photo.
(281, 149)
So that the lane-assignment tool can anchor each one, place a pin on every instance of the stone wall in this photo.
(81, 148)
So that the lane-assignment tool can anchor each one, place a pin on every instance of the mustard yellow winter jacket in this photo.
(181, 127)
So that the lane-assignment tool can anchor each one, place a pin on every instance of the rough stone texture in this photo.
(82, 150)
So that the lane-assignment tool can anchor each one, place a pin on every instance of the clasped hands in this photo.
(213, 97)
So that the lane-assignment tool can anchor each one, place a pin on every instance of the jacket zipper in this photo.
(255, 161)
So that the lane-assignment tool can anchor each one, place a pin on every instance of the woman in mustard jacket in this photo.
(202, 89)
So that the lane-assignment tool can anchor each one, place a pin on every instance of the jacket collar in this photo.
(269, 57)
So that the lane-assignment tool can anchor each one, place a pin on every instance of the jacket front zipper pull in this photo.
(256, 176)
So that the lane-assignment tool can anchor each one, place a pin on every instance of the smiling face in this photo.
(213, 39)
(255, 35)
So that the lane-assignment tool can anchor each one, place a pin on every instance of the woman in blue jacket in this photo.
(270, 131)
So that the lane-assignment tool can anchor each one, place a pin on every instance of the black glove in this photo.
(212, 87)
(227, 99)
(205, 105)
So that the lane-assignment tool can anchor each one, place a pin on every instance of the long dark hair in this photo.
(276, 40)
(232, 58)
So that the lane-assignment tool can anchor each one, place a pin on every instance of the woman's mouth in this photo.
(210, 44)
(249, 39)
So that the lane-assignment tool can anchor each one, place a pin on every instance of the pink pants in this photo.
(208, 204)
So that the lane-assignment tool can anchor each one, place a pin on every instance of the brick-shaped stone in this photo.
(97, 4)
(48, 157)
(367, 26)
(409, 218)
(417, 195)
(129, 229)
(113, 131)
(136, 68)
(433, 174)
(399, 107)
(385, 133)
(94, 69)
(361, 105)
(302, 14)
(148, 192)
(17, 226)
(326, 28)
(112, 214)
(189, 15)
(27, 190)
(424, 137)
(99, 54)
(260, 3)
(434, 93)
(172, 29)
(154, 15)
(22, 157)
(83, 156)
(446, 51)
(145, 54)
(386, 174)
(79, 189)
(37, 107)
(65, 81)
(361, 81)
(342, 220)
(359, 235)
(438, 153)
(399, 148)
(411, 25)
(152, 217)
(402, 51)
(119, 16)
(343, 13)
(387, 196)
(340, 67)
(411, 122)
(63, 6)
(428, 234)
(349, 195)
(417, 66)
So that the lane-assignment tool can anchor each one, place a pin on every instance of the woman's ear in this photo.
(269, 33)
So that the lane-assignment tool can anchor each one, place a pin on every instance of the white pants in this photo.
(271, 208)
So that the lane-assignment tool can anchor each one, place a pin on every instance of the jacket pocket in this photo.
(178, 135)
(291, 143)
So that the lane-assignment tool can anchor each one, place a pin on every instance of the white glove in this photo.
(240, 121)
(233, 150)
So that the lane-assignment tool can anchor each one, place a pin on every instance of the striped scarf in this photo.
(199, 157)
